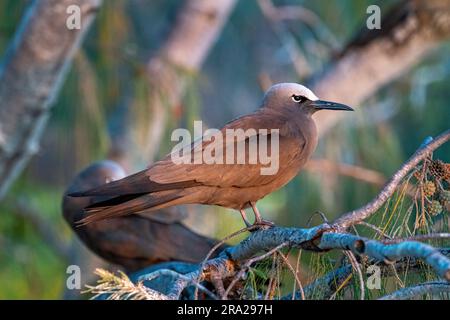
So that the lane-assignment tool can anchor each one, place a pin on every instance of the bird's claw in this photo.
(263, 224)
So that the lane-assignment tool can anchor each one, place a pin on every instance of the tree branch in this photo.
(31, 74)
(388, 252)
(353, 217)
(180, 283)
(228, 263)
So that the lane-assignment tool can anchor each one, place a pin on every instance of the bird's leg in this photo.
(258, 219)
(244, 217)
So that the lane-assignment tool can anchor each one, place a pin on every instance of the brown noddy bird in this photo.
(135, 241)
(286, 107)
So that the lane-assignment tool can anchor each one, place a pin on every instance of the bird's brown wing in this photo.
(134, 193)
(166, 182)
(166, 175)
(228, 175)
(132, 186)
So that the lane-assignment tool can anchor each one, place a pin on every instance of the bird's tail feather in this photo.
(144, 202)
(136, 184)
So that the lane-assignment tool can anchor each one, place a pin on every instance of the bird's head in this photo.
(93, 176)
(294, 96)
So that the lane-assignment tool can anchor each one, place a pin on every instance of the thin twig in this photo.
(375, 228)
(297, 265)
(270, 286)
(357, 267)
(294, 273)
(248, 264)
(367, 210)
(213, 249)
(341, 286)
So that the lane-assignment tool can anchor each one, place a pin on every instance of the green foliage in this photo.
(29, 268)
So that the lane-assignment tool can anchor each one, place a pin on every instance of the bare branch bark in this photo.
(376, 57)
(180, 283)
(31, 75)
(388, 252)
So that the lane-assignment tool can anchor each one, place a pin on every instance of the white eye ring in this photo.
(297, 98)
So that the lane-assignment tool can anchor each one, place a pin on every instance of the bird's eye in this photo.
(298, 98)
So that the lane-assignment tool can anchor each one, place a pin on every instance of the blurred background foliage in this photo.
(110, 70)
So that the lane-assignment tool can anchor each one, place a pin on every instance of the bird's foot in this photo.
(263, 224)
(259, 221)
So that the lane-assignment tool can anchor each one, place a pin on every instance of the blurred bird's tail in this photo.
(130, 204)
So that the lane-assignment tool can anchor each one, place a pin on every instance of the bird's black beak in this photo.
(328, 105)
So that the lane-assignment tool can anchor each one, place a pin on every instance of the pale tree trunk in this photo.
(31, 75)
(376, 57)
(195, 31)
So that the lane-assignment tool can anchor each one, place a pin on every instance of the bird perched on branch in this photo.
(136, 241)
(284, 119)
